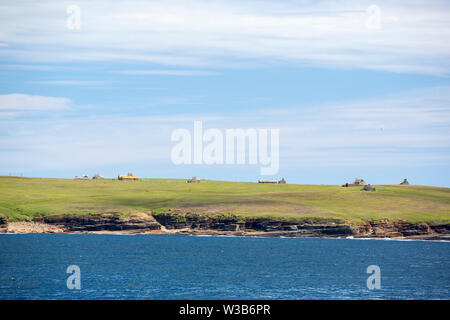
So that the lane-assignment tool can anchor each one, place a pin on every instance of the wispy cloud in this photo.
(408, 37)
(167, 72)
(409, 129)
(70, 82)
(36, 67)
(21, 102)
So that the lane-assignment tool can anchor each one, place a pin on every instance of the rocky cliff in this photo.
(196, 224)
(307, 227)
(3, 224)
(106, 222)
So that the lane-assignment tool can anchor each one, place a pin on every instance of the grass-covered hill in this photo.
(26, 198)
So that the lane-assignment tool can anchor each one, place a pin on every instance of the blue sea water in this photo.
(33, 266)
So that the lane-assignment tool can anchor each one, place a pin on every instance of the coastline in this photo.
(198, 225)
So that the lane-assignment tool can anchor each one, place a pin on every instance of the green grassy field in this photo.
(25, 198)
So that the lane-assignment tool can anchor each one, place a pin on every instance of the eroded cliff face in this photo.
(3, 224)
(389, 229)
(307, 227)
(191, 223)
(113, 222)
(136, 223)
(104, 222)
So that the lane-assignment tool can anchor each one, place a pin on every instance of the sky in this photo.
(357, 89)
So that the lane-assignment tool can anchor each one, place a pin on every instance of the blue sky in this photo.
(350, 96)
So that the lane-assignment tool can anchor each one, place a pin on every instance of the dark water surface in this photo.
(33, 266)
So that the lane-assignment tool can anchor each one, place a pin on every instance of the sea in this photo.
(94, 266)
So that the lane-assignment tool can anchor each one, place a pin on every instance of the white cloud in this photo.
(70, 82)
(36, 67)
(408, 129)
(167, 72)
(21, 102)
(413, 36)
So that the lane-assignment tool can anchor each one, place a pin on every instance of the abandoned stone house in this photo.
(129, 176)
(282, 181)
(368, 187)
(267, 181)
(405, 182)
(193, 180)
(357, 182)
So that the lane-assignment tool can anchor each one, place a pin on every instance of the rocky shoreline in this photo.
(196, 224)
